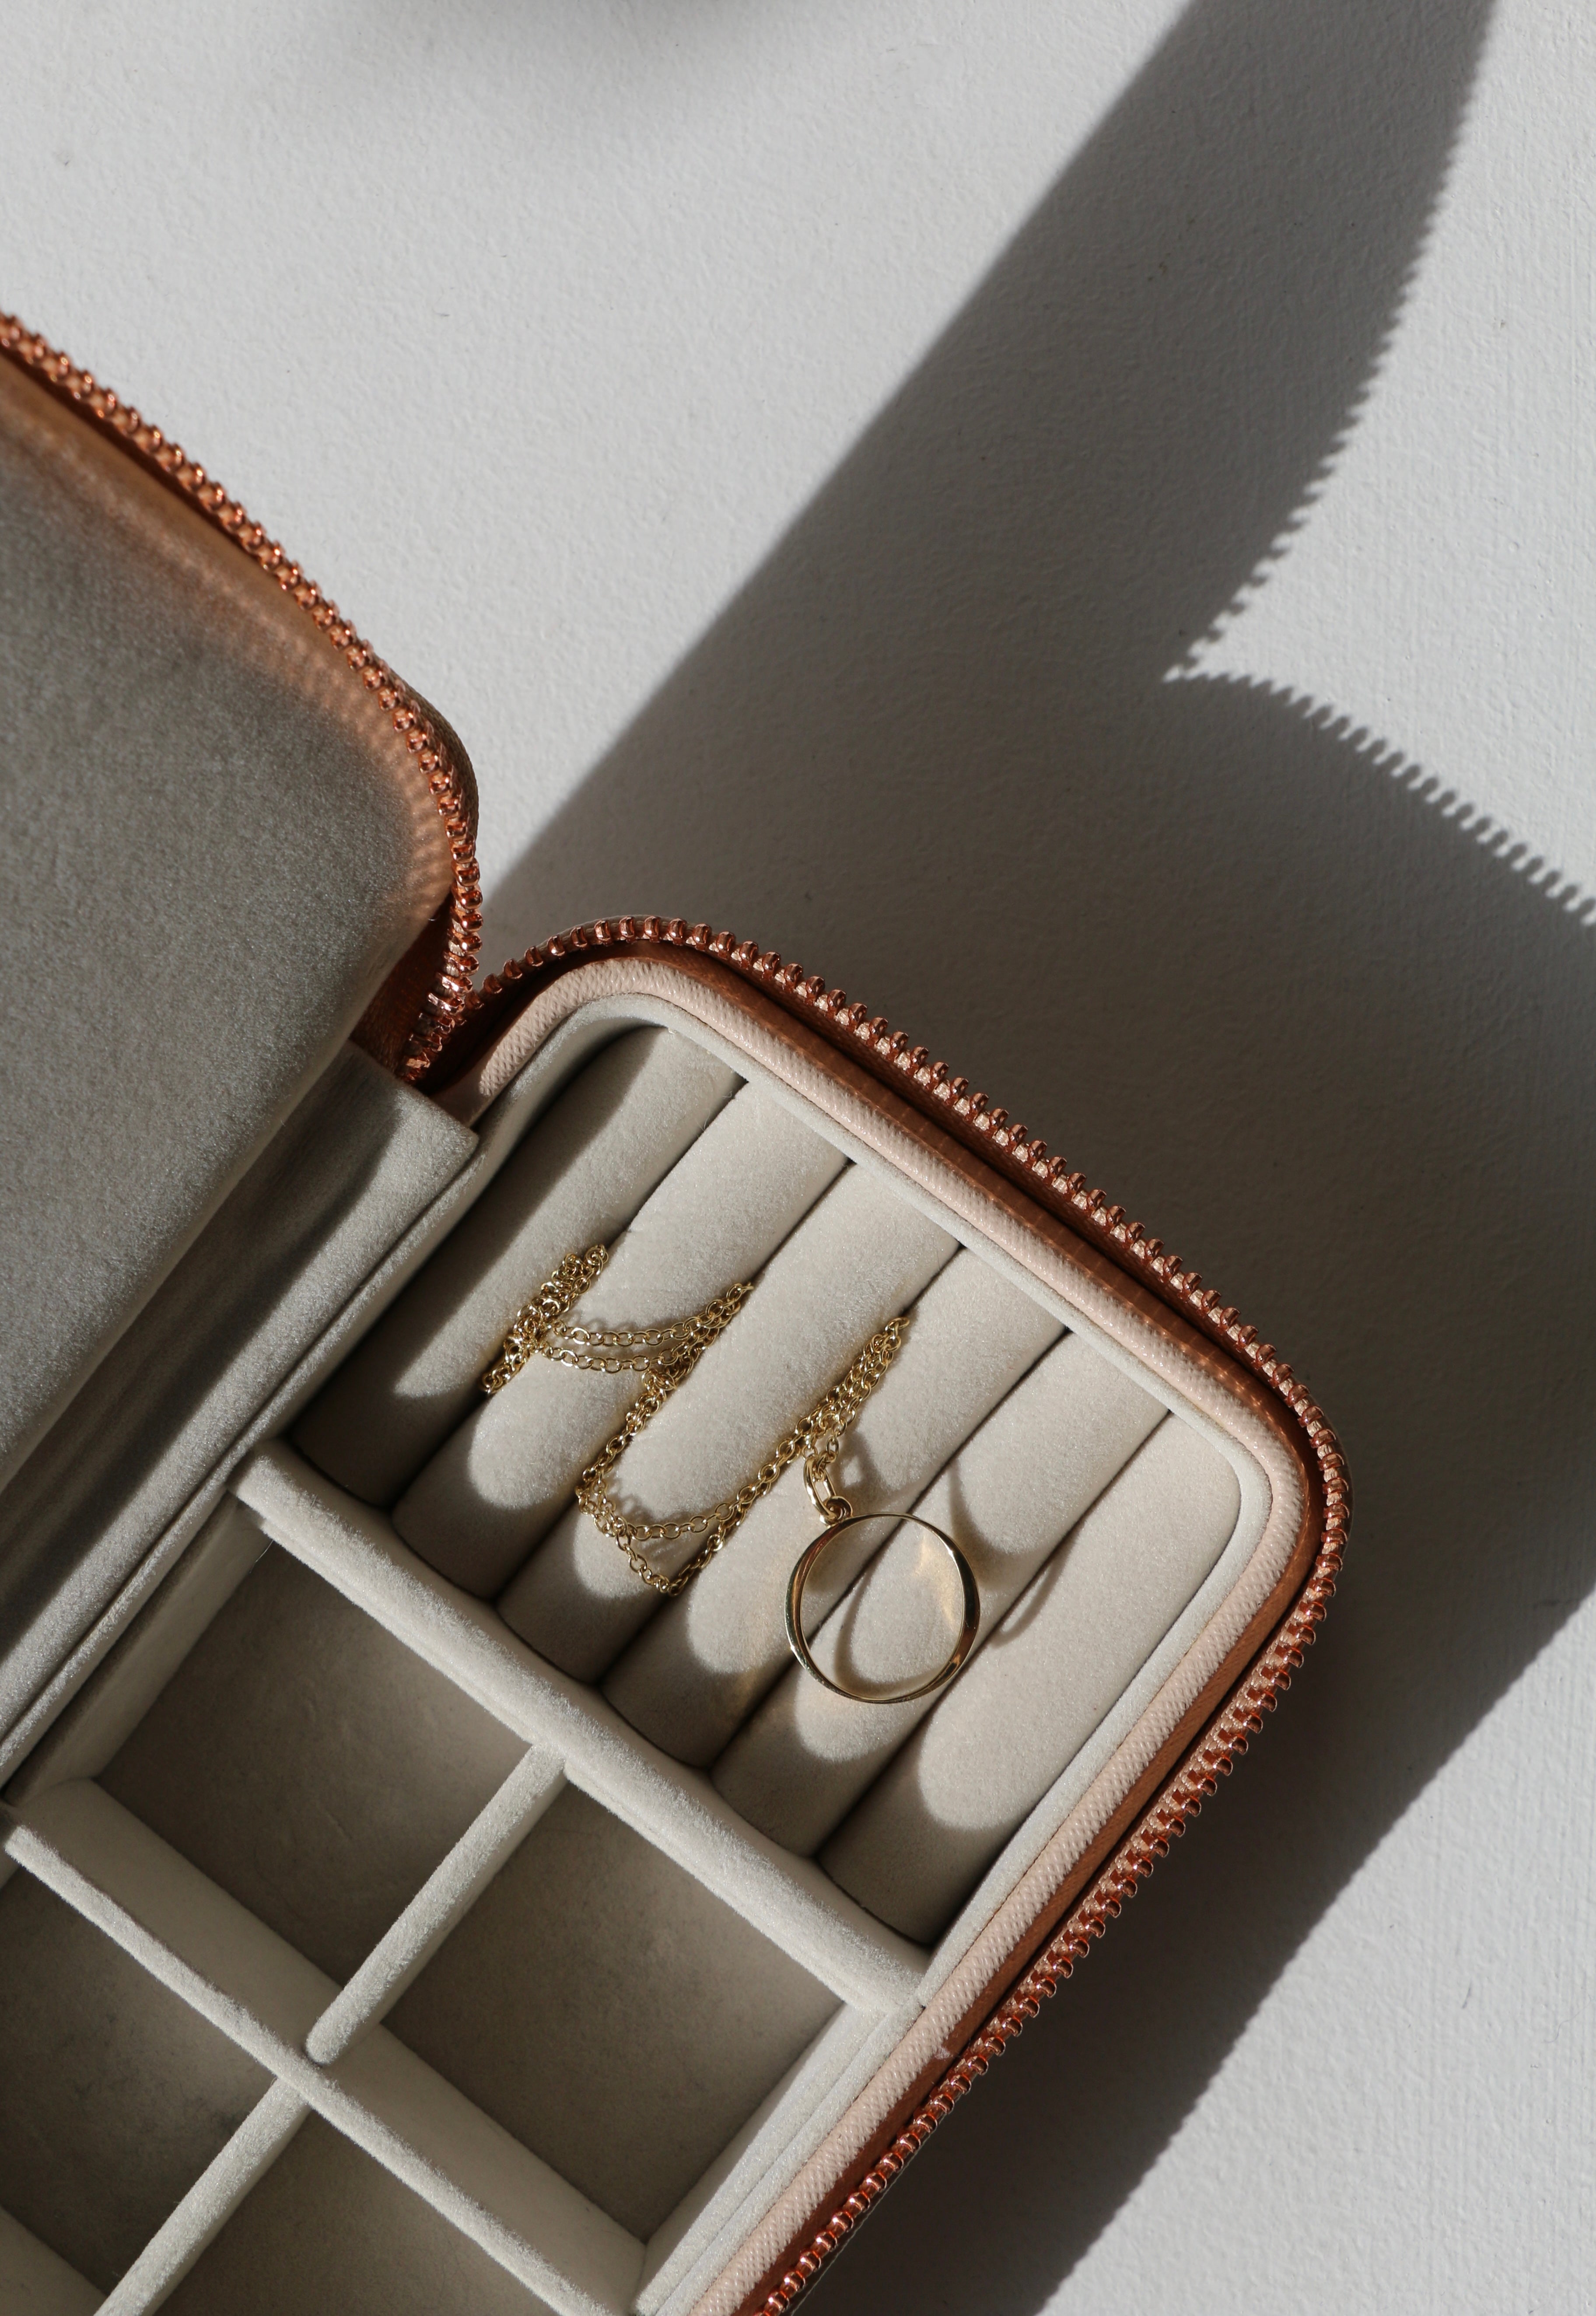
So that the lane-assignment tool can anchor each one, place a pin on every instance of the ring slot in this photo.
(926, 1830)
(855, 1262)
(703, 1665)
(1013, 1491)
(501, 1481)
(579, 1174)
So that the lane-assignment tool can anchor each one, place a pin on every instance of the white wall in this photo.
(1077, 522)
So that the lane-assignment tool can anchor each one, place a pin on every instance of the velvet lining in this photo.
(534, 1935)
(217, 847)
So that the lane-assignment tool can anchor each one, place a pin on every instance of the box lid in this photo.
(222, 857)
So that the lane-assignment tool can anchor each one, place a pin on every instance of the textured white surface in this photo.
(796, 446)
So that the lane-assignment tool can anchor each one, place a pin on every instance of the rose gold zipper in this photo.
(448, 994)
(457, 1022)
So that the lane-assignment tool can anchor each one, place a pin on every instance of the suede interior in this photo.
(327, 2229)
(598, 1152)
(114, 2096)
(35, 2281)
(526, 1931)
(310, 1765)
(608, 2011)
(341, 1180)
(217, 848)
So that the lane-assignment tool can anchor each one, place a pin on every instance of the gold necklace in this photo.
(665, 1356)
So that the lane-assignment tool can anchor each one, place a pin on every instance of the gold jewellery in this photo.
(839, 1516)
(665, 1356)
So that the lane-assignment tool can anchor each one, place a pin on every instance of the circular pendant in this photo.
(804, 1568)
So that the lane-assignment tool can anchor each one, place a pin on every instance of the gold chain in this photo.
(539, 1328)
(665, 1356)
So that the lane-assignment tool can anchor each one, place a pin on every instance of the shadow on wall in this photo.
(1220, 952)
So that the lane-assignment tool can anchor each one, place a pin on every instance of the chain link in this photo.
(665, 1356)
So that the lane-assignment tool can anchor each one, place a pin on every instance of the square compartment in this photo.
(611, 2013)
(310, 1763)
(114, 2096)
(328, 2229)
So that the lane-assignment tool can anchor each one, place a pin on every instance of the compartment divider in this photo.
(469, 2167)
(100, 1718)
(787, 1899)
(34, 2278)
(441, 1902)
(209, 1949)
(249, 1982)
(684, 2252)
(209, 2203)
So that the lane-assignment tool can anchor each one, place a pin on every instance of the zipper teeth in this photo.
(1090, 1213)
(449, 997)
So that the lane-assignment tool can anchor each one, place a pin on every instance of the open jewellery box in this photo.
(404, 1907)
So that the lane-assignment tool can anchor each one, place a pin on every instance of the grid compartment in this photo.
(114, 2095)
(611, 2012)
(310, 1764)
(327, 2229)
(35, 2281)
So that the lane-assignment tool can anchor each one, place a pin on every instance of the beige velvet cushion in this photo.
(1091, 1514)
(598, 1151)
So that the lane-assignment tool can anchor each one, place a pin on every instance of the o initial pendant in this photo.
(804, 1568)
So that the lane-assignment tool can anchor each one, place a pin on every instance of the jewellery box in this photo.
(404, 1906)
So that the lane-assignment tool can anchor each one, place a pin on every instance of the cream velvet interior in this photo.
(216, 847)
(422, 1913)
(147, 1438)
